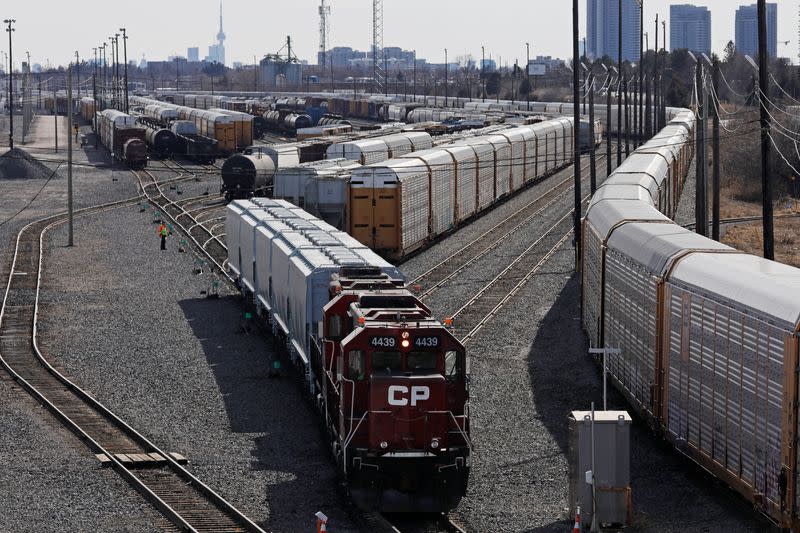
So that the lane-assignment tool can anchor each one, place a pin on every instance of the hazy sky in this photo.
(53, 29)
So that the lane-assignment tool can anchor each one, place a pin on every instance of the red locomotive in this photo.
(394, 394)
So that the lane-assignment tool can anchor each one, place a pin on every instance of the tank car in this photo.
(389, 380)
(245, 175)
(293, 122)
(161, 141)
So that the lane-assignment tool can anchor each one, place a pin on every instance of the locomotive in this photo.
(389, 380)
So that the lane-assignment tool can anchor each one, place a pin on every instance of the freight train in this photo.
(389, 380)
(185, 139)
(399, 205)
(708, 335)
(123, 138)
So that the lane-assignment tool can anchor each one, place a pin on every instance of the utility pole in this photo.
(626, 81)
(69, 153)
(576, 111)
(638, 99)
(763, 98)
(715, 148)
(655, 85)
(663, 117)
(592, 155)
(648, 126)
(608, 127)
(125, 58)
(483, 74)
(445, 77)
(94, 97)
(701, 224)
(77, 72)
(116, 67)
(415, 75)
(528, 72)
(622, 78)
(10, 29)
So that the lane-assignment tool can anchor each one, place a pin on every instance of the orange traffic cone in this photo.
(577, 527)
(322, 522)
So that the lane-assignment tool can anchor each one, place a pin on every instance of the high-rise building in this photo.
(690, 28)
(193, 54)
(747, 30)
(602, 29)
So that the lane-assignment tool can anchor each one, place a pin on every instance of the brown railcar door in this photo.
(362, 213)
(384, 211)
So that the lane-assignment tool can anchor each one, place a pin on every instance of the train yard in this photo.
(222, 443)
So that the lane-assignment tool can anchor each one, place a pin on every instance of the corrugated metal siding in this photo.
(592, 288)
(725, 388)
(414, 207)
(630, 324)
(443, 179)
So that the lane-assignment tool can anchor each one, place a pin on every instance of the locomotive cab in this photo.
(400, 378)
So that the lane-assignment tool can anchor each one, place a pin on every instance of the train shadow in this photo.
(670, 493)
(287, 444)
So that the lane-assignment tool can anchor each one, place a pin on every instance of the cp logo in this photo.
(398, 394)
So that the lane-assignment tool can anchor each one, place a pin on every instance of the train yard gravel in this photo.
(132, 324)
(49, 481)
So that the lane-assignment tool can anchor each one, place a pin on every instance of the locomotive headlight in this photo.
(404, 335)
(434, 443)
(405, 343)
(384, 445)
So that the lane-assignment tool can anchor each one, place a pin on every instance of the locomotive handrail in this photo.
(351, 435)
(458, 426)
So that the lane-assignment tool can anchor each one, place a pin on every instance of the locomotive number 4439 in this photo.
(426, 342)
(383, 342)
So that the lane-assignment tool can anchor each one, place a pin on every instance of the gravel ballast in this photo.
(49, 480)
(130, 323)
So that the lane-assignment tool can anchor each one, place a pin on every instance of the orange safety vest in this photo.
(162, 230)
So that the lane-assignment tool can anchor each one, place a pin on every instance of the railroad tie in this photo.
(140, 460)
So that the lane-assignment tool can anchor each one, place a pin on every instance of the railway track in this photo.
(202, 235)
(447, 269)
(471, 317)
(184, 500)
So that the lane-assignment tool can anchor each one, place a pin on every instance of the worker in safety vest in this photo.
(163, 231)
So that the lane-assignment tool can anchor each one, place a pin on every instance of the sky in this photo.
(51, 30)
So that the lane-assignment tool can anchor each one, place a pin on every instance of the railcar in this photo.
(708, 335)
(399, 205)
(246, 175)
(124, 140)
(162, 141)
(389, 380)
(193, 145)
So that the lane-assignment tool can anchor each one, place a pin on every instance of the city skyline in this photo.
(249, 34)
